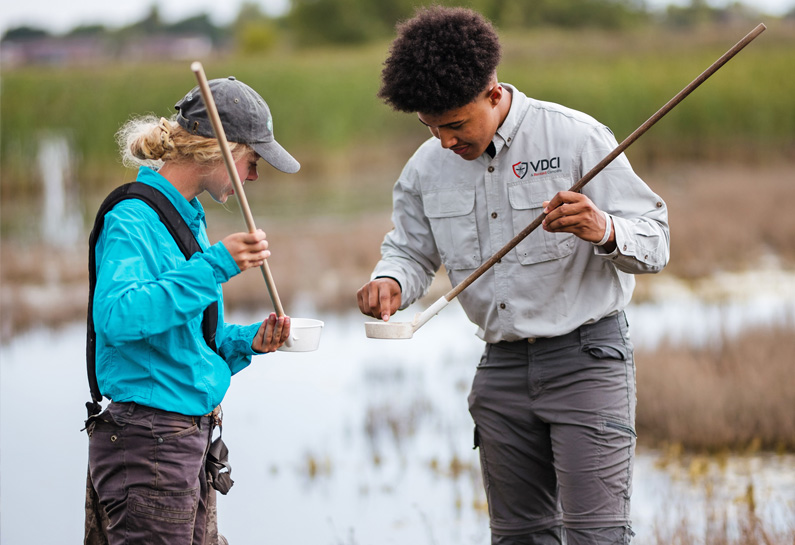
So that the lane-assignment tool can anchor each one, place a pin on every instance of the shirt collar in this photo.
(192, 211)
(507, 131)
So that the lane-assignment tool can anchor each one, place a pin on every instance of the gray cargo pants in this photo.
(148, 482)
(555, 424)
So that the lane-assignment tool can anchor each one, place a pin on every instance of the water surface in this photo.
(364, 441)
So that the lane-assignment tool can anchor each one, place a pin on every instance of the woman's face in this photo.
(217, 183)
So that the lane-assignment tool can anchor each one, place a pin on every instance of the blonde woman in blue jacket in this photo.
(148, 449)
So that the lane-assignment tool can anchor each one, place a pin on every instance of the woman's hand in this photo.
(271, 334)
(247, 249)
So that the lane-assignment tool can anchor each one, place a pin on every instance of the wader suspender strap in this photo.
(184, 238)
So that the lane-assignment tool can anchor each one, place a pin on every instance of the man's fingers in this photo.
(385, 302)
(375, 299)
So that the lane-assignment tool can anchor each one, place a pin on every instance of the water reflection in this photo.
(715, 308)
(364, 441)
(61, 223)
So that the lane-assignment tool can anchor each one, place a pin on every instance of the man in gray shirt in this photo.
(553, 399)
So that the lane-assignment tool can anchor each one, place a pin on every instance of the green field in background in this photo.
(324, 101)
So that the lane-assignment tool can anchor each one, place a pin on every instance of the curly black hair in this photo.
(440, 60)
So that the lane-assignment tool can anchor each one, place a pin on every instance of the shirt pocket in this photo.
(451, 213)
(526, 198)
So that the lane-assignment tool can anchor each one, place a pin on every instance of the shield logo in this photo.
(520, 169)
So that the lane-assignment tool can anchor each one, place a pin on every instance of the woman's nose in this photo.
(252, 174)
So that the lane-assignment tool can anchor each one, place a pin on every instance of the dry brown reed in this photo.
(739, 395)
(723, 217)
(720, 526)
(726, 217)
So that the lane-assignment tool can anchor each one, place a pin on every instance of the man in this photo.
(553, 398)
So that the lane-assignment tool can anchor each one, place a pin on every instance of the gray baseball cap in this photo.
(244, 115)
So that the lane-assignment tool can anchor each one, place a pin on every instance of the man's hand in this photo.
(379, 298)
(271, 334)
(247, 249)
(571, 212)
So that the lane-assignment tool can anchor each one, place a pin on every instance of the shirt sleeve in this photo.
(640, 217)
(135, 277)
(409, 253)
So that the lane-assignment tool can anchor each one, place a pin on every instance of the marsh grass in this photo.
(716, 523)
(738, 394)
(726, 216)
(722, 161)
(324, 100)
(326, 238)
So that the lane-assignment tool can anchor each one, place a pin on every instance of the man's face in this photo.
(468, 130)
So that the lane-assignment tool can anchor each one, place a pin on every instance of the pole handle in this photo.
(577, 187)
(215, 119)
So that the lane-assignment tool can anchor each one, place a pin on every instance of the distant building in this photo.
(53, 50)
(82, 50)
(166, 46)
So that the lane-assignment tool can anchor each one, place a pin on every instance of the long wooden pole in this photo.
(453, 293)
(215, 119)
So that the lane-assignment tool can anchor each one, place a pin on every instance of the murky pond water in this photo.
(361, 442)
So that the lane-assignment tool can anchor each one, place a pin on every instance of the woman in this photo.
(164, 375)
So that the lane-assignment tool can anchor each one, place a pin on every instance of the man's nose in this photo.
(447, 138)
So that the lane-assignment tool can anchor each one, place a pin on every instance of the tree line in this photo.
(321, 22)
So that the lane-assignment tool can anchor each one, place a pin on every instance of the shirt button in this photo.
(625, 247)
(502, 306)
(491, 169)
(494, 215)
(659, 204)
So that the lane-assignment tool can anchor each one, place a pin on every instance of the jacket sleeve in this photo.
(409, 253)
(640, 217)
(142, 291)
(234, 343)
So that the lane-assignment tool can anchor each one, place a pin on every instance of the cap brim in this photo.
(277, 156)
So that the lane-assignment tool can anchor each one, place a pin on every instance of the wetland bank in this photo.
(368, 441)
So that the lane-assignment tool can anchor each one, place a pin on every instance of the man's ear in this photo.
(495, 95)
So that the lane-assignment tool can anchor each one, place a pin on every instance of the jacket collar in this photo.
(191, 211)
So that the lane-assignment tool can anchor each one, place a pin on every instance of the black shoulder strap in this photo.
(184, 238)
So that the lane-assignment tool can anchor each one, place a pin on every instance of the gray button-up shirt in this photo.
(458, 213)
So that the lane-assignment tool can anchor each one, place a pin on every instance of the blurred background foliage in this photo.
(318, 67)
(722, 159)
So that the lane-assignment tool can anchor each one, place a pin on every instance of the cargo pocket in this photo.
(607, 339)
(615, 463)
(484, 467)
(527, 198)
(169, 515)
(607, 351)
(451, 212)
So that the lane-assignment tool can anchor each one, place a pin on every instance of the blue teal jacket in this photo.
(148, 305)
